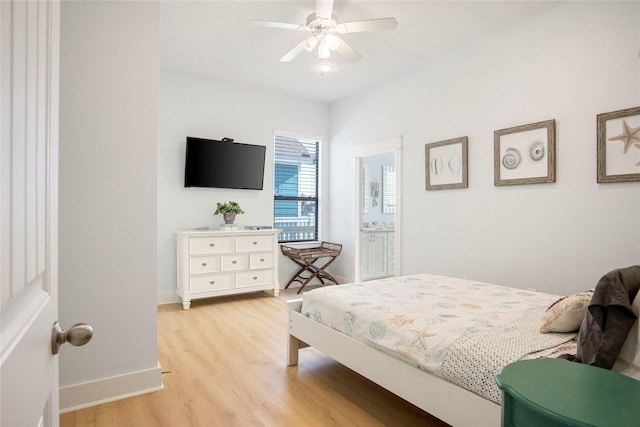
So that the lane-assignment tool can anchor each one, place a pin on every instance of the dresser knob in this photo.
(204, 264)
(255, 278)
(255, 243)
(261, 259)
(234, 262)
(212, 282)
(211, 245)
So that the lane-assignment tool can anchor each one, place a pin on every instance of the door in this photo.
(378, 208)
(28, 219)
(377, 217)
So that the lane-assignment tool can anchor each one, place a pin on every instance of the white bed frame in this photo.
(446, 401)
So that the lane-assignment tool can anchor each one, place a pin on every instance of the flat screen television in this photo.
(224, 164)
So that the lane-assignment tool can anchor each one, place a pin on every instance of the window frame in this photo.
(299, 198)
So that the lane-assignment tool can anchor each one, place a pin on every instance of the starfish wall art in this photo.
(619, 162)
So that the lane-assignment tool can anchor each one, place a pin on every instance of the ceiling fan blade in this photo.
(324, 8)
(348, 52)
(290, 56)
(367, 25)
(282, 25)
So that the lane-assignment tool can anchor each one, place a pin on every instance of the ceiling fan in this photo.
(324, 26)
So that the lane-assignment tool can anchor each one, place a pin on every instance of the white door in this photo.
(28, 219)
(379, 213)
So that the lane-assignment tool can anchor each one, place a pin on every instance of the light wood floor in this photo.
(224, 363)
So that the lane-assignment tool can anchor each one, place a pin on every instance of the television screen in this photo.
(224, 164)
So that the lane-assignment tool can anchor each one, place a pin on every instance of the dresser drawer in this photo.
(210, 282)
(261, 260)
(210, 245)
(247, 279)
(234, 262)
(203, 264)
(254, 243)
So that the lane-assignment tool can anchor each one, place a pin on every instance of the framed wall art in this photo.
(619, 146)
(525, 154)
(446, 164)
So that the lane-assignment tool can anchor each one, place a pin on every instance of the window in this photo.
(295, 188)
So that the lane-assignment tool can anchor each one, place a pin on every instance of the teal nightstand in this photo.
(556, 392)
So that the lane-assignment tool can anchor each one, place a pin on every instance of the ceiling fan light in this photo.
(332, 41)
(325, 67)
(310, 43)
(323, 50)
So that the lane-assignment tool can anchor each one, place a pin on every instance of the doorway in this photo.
(378, 225)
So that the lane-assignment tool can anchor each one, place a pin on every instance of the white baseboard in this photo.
(167, 297)
(92, 393)
(342, 280)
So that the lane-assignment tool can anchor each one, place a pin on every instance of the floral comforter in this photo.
(418, 318)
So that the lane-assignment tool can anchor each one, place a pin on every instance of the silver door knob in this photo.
(77, 335)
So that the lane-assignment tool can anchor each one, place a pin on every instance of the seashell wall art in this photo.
(525, 154)
(446, 164)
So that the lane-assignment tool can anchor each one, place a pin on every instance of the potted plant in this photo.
(229, 210)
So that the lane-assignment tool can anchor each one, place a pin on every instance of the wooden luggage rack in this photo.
(306, 259)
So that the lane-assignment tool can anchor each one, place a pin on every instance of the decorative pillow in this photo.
(566, 314)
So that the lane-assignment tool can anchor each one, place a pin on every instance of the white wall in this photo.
(568, 64)
(108, 133)
(192, 106)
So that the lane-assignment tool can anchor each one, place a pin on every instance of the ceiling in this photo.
(214, 39)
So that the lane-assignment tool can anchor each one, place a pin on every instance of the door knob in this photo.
(77, 335)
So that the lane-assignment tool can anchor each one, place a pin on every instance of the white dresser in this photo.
(213, 263)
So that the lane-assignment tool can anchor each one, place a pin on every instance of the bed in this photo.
(435, 341)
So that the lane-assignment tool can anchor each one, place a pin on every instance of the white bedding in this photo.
(419, 318)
